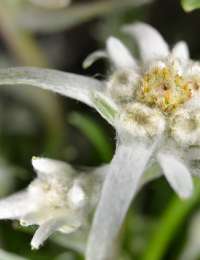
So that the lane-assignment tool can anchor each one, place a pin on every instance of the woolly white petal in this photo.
(47, 167)
(181, 51)
(15, 206)
(176, 173)
(119, 54)
(118, 191)
(32, 218)
(94, 57)
(67, 84)
(45, 230)
(151, 43)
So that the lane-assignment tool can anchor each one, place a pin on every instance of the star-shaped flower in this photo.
(154, 106)
(58, 199)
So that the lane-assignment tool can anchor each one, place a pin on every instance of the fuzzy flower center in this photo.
(185, 126)
(141, 120)
(164, 88)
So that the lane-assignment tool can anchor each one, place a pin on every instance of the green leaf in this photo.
(94, 133)
(190, 5)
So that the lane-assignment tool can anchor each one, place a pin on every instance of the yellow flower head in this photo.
(164, 88)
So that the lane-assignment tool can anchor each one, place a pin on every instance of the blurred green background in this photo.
(34, 122)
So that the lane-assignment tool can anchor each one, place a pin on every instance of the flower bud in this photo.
(141, 121)
(122, 84)
(185, 126)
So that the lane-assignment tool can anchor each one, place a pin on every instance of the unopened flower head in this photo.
(121, 85)
(141, 121)
(185, 127)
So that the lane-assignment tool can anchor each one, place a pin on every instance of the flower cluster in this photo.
(153, 104)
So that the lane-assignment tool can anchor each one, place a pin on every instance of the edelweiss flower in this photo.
(58, 199)
(154, 107)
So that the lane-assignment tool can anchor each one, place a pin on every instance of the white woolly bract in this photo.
(176, 173)
(119, 54)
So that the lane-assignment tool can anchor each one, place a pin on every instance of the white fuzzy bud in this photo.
(185, 126)
(141, 121)
(122, 84)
